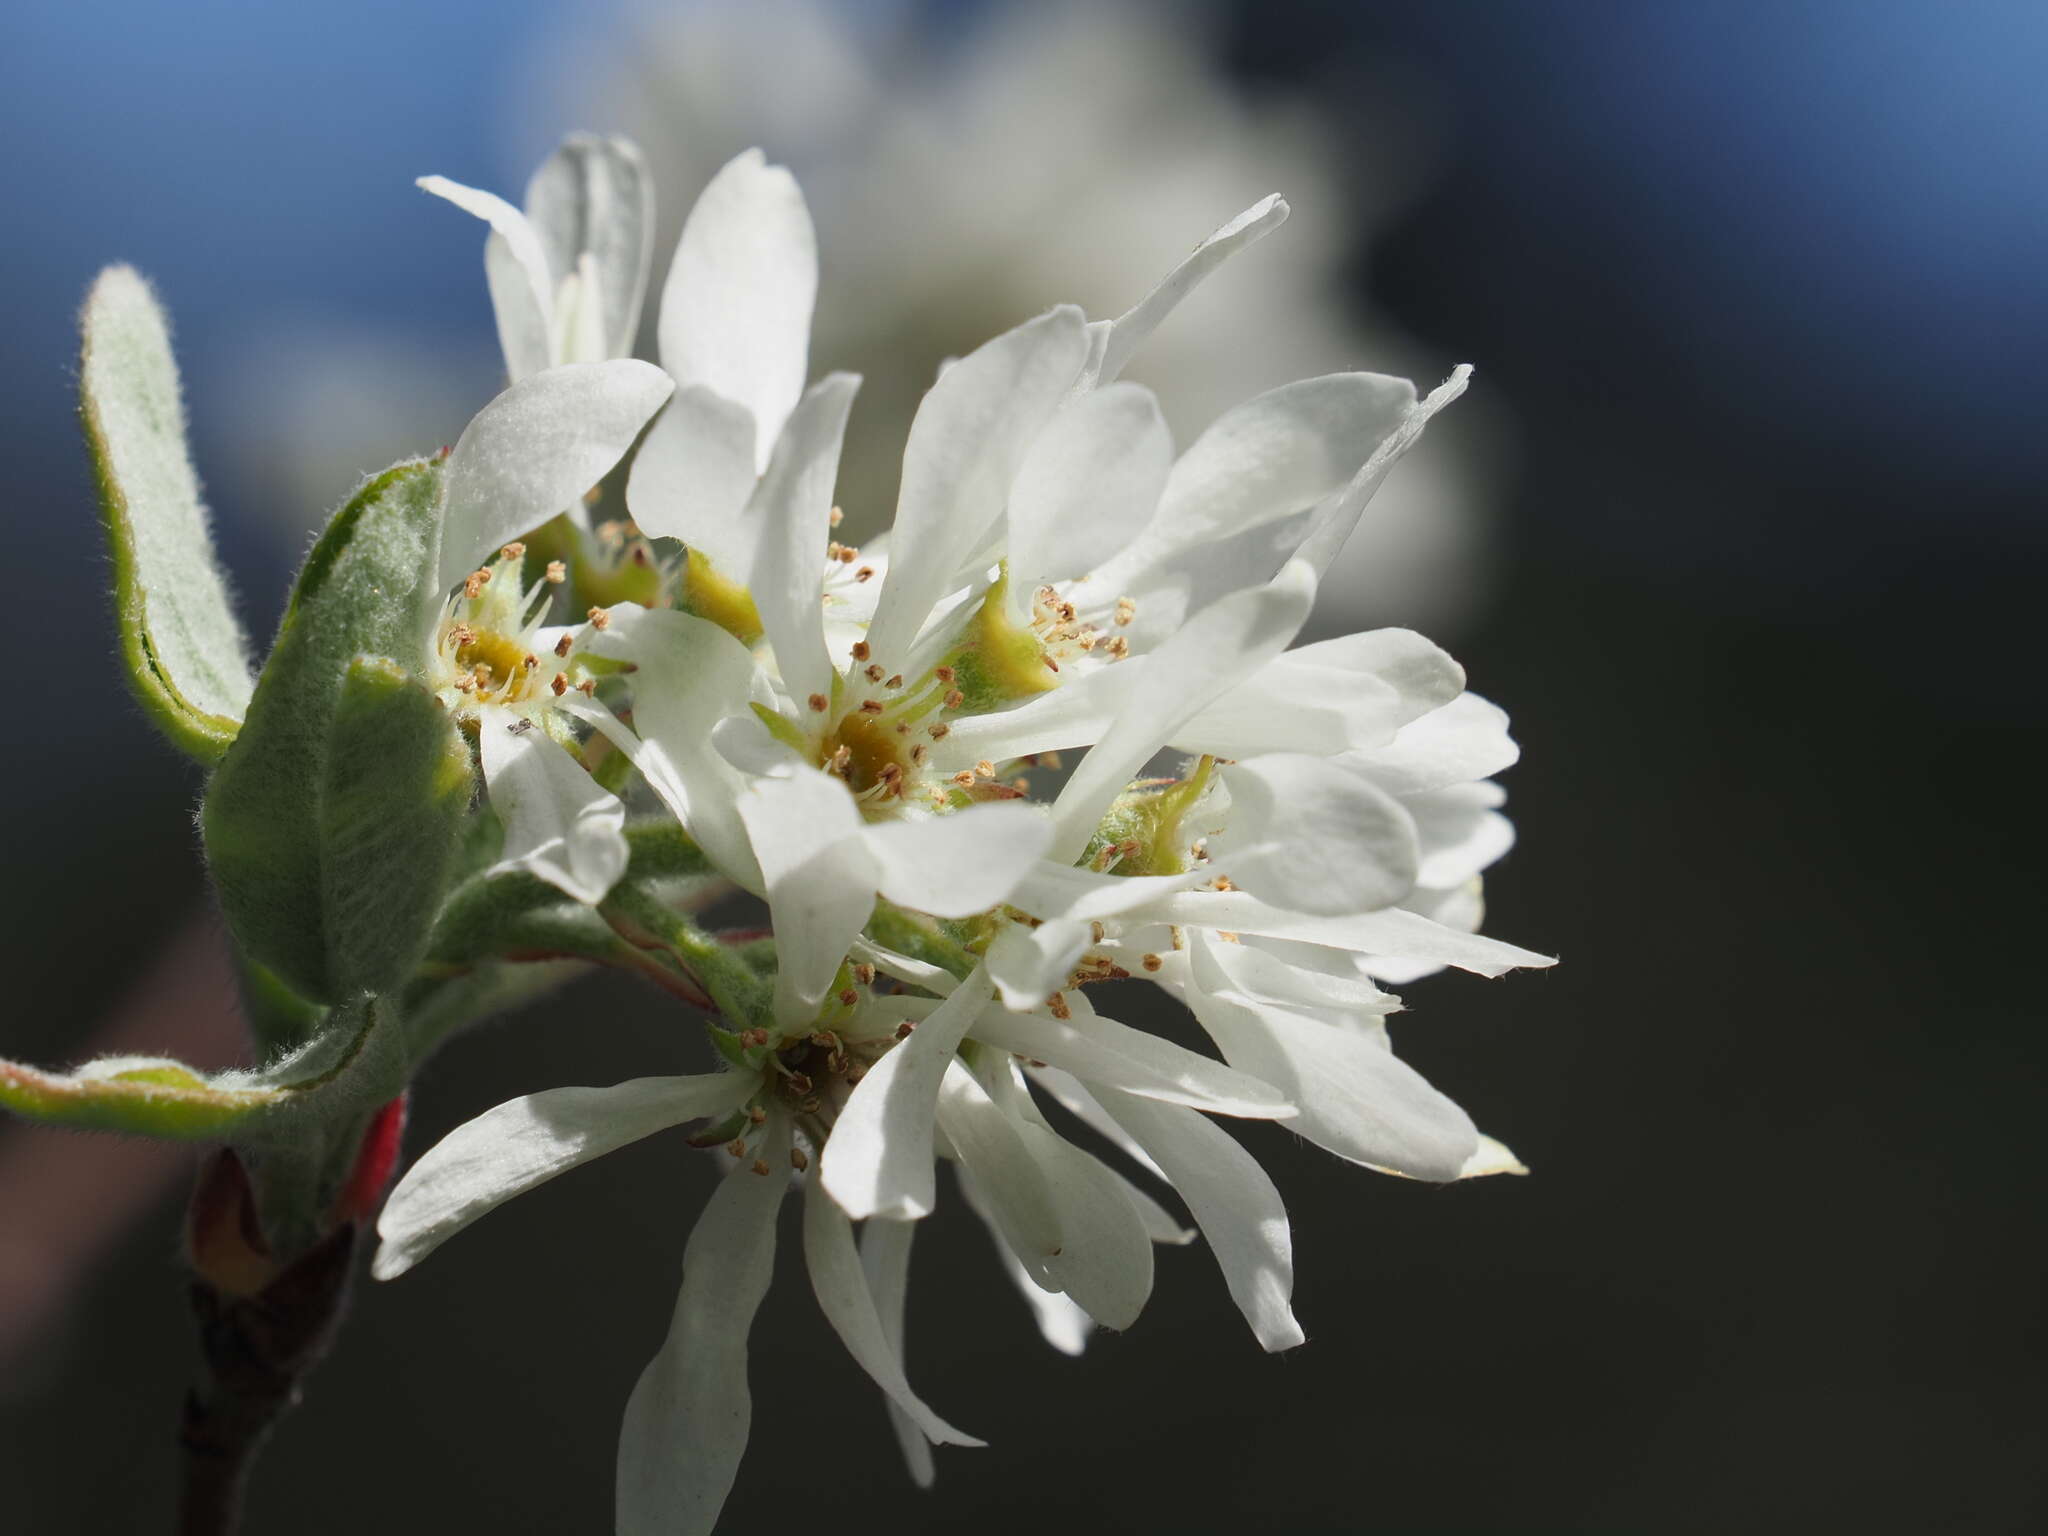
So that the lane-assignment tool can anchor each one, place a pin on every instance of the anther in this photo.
(529, 661)
(865, 573)
(1126, 610)
(860, 650)
(871, 706)
(918, 754)
(798, 1083)
(761, 1167)
(955, 699)
(737, 1146)
(588, 687)
(797, 1160)
(985, 769)
(873, 671)
(557, 573)
(906, 1029)
(1096, 931)
(462, 635)
(938, 732)
(513, 551)
(565, 645)
(865, 975)
(1058, 1004)
(964, 778)
(943, 674)
(838, 516)
(818, 702)
(1151, 962)
(848, 998)
(811, 1105)
(757, 1114)
(559, 684)
(473, 583)
(600, 618)
(895, 680)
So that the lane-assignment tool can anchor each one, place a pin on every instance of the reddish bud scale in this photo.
(376, 1160)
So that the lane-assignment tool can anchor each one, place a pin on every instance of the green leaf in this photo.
(331, 824)
(357, 1062)
(185, 655)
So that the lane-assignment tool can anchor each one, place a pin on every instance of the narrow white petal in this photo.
(959, 864)
(1131, 328)
(1357, 1098)
(1234, 1203)
(1061, 1323)
(990, 1147)
(820, 878)
(1064, 891)
(1334, 520)
(1068, 1092)
(524, 328)
(885, 1262)
(842, 1291)
(1242, 497)
(523, 1143)
(792, 509)
(1307, 835)
(560, 823)
(1105, 1257)
(1090, 481)
(520, 240)
(1223, 644)
(1394, 932)
(692, 675)
(687, 1420)
(969, 436)
(878, 1161)
(592, 197)
(1100, 1050)
(538, 447)
(736, 309)
(693, 475)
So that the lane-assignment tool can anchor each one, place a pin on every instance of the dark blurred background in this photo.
(1745, 529)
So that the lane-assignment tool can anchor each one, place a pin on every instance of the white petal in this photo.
(988, 1144)
(686, 1422)
(1220, 646)
(1324, 981)
(792, 509)
(1342, 695)
(1307, 835)
(1274, 458)
(692, 675)
(560, 823)
(1491, 1157)
(1068, 1092)
(1466, 739)
(1142, 319)
(1461, 832)
(885, 1262)
(518, 239)
(525, 332)
(592, 197)
(535, 449)
(821, 881)
(1105, 1257)
(878, 1161)
(736, 310)
(1071, 715)
(960, 864)
(1090, 482)
(523, 1143)
(1030, 964)
(1357, 1098)
(1393, 932)
(1064, 891)
(1061, 1323)
(1334, 520)
(1234, 1203)
(967, 440)
(842, 1291)
(1100, 1050)
(693, 475)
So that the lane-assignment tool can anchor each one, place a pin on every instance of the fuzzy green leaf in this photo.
(331, 824)
(186, 657)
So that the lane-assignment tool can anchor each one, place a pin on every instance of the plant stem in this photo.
(256, 1349)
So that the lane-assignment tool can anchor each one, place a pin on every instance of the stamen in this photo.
(818, 702)
(513, 551)
(565, 645)
(1151, 962)
(473, 583)
(557, 572)
(860, 650)
(559, 685)
(600, 618)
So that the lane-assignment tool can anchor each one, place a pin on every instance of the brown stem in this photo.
(255, 1349)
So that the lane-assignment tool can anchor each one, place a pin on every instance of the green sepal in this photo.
(919, 938)
(185, 656)
(279, 1019)
(331, 823)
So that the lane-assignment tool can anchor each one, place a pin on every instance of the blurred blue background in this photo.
(1746, 529)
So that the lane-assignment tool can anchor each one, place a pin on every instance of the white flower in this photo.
(531, 451)
(1057, 579)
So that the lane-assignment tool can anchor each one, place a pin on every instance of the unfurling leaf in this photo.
(331, 823)
(185, 655)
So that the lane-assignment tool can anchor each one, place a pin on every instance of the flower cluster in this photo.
(1048, 733)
